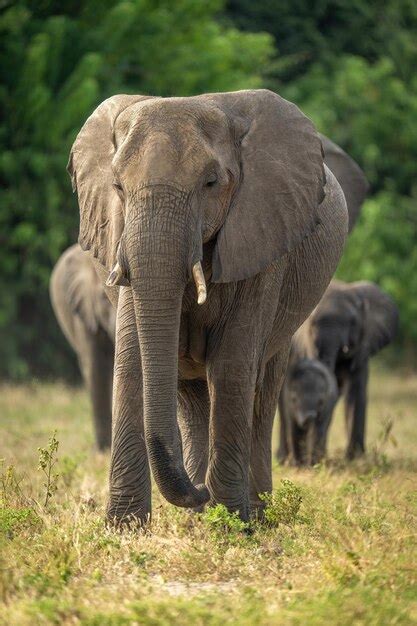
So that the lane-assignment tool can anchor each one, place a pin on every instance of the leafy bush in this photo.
(223, 525)
(283, 504)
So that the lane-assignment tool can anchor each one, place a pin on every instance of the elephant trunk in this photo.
(160, 253)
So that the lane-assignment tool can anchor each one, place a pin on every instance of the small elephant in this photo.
(308, 397)
(216, 227)
(352, 322)
(87, 319)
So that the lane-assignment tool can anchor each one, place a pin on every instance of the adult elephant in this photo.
(352, 322)
(226, 193)
(87, 319)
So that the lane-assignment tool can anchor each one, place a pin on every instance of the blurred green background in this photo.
(349, 64)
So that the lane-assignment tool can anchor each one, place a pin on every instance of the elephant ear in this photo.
(282, 183)
(380, 319)
(89, 165)
(83, 290)
(349, 175)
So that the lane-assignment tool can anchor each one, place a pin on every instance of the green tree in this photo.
(58, 61)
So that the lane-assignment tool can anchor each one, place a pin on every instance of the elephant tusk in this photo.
(200, 283)
(116, 277)
(345, 349)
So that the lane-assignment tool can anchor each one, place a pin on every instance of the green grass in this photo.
(339, 547)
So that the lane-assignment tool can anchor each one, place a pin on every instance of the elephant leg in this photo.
(298, 443)
(266, 401)
(318, 452)
(130, 484)
(355, 410)
(100, 385)
(283, 448)
(232, 394)
(193, 418)
(95, 354)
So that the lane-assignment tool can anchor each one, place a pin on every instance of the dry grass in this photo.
(347, 557)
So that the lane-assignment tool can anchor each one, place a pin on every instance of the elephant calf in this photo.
(87, 319)
(351, 323)
(306, 404)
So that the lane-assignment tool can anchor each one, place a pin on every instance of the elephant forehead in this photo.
(172, 142)
(174, 116)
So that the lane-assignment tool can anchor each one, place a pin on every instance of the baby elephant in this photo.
(306, 404)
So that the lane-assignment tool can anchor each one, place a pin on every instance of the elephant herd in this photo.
(210, 230)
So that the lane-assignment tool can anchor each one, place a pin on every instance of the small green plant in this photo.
(282, 505)
(385, 437)
(13, 521)
(47, 462)
(10, 489)
(223, 525)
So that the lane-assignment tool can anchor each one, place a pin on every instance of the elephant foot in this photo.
(281, 457)
(103, 447)
(355, 452)
(129, 516)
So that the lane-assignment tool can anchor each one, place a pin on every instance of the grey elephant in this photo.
(216, 227)
(87, 319)
(352, 322)
(307, 400)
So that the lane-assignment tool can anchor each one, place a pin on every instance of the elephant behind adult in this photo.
(226, 194)
(306, 403)
(87, 319)
(352, 323)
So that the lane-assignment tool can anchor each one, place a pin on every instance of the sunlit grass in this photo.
(347, 555)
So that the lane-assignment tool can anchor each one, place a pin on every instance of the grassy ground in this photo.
(347, 555)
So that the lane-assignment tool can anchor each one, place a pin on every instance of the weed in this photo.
(47, 462)
(224, 527)
(283, 504)
(10, 485)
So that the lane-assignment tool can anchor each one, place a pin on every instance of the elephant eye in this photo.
(117, 186)
(212, 180)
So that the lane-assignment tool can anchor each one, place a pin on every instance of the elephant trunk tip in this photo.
(193, 497)
(172, 479)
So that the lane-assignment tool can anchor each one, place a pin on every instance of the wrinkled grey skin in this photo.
(237, 181)
(349, 176)
(87, 319)
(308, 396)
(352, 322)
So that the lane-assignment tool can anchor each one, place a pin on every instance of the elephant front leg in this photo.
(232, 392)
(355, 411)
(130, 484)
(266, 401)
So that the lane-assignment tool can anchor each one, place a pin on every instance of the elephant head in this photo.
(157, 178)
(312, 395)
(351, 323)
